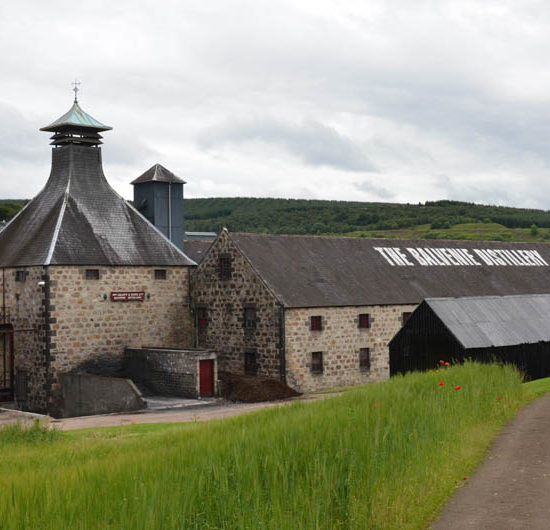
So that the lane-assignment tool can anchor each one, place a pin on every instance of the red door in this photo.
(206, 378)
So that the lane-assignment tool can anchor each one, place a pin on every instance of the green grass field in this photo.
(384, 455)
(466, 231)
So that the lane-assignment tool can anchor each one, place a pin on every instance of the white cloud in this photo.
(445, 99)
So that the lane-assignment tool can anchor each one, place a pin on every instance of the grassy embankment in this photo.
(386, 455)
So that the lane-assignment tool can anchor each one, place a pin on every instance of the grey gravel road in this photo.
(511, 490)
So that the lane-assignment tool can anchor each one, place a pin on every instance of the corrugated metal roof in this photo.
(78, 219)
(317, 271)
(158, 173)
(76, 117)
(486, 321)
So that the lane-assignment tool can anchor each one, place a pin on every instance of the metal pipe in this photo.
(170, 211)
(3, 295)
(282, 344)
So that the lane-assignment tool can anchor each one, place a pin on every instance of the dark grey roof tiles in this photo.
(484, 322)
(78, 219)
(196, 249)
(158, 173)
(310, 271)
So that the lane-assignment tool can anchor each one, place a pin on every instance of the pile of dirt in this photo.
(251, 389)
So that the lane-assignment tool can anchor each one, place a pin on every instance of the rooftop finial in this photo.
(76, 84)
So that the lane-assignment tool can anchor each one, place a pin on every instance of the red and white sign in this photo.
(128, 296)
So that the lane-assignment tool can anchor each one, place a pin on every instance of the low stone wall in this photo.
(167, 372)
(86, 394)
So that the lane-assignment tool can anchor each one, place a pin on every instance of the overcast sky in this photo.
(380, 100)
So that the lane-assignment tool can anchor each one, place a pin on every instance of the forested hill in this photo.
(290, 216)
(438, 219)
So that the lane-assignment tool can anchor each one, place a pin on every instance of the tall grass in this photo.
(383, 456)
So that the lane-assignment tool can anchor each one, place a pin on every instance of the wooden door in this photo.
(206, 378)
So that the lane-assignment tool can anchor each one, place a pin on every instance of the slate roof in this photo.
(196, 249)
(316, 271)
(78, 219)
(486, 321)
(158, 173)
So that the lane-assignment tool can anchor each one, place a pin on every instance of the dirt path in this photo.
(206, 413)
(511, 490)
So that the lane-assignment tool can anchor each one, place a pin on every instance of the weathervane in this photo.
(75, 84)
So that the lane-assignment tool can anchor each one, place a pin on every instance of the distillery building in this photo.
(84, 274)
(319, 312)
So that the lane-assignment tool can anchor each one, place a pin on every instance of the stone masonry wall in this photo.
(167, 372)
(89, 332)
(339, 341)
(225, 301)
(25, 311)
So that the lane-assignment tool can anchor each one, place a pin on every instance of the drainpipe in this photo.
(3, 295)
(170, 211)
(282, 344)
(47, 335)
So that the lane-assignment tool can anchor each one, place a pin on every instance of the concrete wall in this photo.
(225, 301)
(85, 395)
(340, 341)
(167, 372)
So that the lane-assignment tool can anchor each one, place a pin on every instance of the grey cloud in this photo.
(367, 186)
(312, 142)
(19, 138)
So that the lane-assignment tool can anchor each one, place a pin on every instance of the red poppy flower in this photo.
(440, 383)
(458, 387)
(465, 478)
(499, 399)
(447, 364)
(442, 361)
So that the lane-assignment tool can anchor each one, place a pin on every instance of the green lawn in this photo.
(384, 455)
(467, 231)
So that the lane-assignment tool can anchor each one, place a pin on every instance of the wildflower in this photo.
(465, 478)
(442, 361)
(499, 399)
(447, 364)
(376, 404)
(440, 383)
(458, 387)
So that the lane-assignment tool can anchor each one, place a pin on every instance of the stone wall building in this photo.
(319, 312)
(84, 275)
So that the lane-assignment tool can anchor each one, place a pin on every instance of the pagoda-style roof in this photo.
(76, 118)
(78, 219)
(158, 173)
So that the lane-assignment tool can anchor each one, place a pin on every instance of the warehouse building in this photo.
(512, 329)
(319, 312)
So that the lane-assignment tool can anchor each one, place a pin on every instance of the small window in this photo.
(250, 365)
(20, 276)
(160, 274)
(202, 317)
(250, 318)
(364, 320)
(316, 323)
(405, 317)
(364, 359)
(224, 267)
(92, 274)
(317, 362)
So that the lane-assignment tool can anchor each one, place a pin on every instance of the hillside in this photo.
(429, 220)
(439, 219)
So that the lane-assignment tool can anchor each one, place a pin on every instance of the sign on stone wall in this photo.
(128, 296)
(477, 257)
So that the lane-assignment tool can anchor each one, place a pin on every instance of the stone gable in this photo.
(224, 302)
